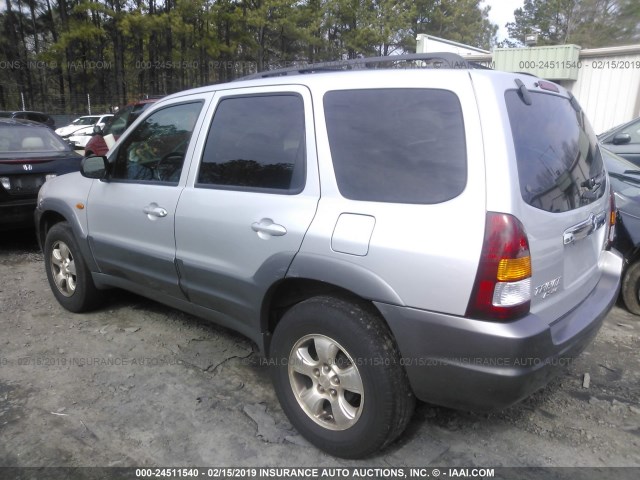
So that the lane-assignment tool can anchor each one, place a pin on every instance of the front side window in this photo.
(559, 163)
(154, 151)
(256, 143)
(397, 145)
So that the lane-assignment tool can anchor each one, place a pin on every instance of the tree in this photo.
(458, 20)
(588, 23)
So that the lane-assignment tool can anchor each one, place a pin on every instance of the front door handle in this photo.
(155, 210)
(265, 228)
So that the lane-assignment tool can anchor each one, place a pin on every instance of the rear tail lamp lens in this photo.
(502, 289)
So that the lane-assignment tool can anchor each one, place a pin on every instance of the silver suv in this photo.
(381, 235)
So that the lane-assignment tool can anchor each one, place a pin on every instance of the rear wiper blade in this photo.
(594, 182)
(630, 172)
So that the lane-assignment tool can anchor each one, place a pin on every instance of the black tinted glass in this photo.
(397, 145)
(559, 163)
(118, 122)
(256, 143)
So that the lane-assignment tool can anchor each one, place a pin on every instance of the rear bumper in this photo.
(17, 213)
(478, 365)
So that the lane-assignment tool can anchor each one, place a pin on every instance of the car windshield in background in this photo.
(30, 140)
(85, 121)
(625, 176)
(6, 114)
(397, 145)
(559, 162)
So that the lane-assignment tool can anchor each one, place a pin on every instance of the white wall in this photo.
(430, 44)
(608, 86)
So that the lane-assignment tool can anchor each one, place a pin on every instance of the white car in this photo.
(80, 130)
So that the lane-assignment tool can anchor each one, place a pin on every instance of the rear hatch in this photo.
(564, 191)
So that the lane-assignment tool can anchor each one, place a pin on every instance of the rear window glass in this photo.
(30, 140)
(397, 145)
(559, 162)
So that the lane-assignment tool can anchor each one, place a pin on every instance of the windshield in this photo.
(625, 176)
(30, 140)
(85, 121)
(117, 124)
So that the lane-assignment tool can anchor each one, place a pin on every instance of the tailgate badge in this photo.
(547, 288)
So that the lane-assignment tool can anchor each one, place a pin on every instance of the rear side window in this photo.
(559, 162)
(397, 145)
(256, 143)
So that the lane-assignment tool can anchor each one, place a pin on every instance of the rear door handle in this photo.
(583, 229)
(266, 227)
(155, 210)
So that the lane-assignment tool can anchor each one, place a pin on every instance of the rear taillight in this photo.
(502, 290)
(611, 224)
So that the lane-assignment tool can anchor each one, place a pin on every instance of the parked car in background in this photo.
(81, 124)
(30, 154)
(33, 116)
(104, 137)
(624, 140)
(79, 138)
(625, 180)
(381, 235)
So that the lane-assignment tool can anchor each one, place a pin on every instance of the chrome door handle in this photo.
(267, 227)
(583, 229)
(155, 210)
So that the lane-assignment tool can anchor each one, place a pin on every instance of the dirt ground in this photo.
(139, 384)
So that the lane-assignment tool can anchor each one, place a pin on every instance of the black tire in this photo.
(68, 275)
(631, 288)
(383, 410)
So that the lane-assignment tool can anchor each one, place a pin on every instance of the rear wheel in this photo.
(338, 376)
(631, 288)
(67, 272)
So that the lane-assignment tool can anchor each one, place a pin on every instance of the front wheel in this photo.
(68, 274)
(338, 376)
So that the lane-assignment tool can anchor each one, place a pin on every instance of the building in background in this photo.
(606, 81)
(429, 43)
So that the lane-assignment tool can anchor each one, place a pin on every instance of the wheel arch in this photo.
(311, 276)
(52, 212)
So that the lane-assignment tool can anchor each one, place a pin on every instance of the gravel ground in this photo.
(137, 383)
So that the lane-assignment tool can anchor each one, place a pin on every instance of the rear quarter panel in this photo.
(426, 254)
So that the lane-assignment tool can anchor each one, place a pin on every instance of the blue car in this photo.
(625, 180)
(30, 154)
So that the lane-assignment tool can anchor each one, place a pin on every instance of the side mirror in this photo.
(94, 167)
(97, 129)
(621, 139)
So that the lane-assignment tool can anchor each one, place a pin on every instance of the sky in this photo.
(501, 13)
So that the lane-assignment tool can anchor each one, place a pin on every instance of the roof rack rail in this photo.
(439, 59)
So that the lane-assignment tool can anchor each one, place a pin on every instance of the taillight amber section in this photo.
(514, 269)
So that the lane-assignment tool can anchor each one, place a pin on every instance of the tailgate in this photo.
(566, 203)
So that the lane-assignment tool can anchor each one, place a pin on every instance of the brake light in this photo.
(502, 289)
(613, 215)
